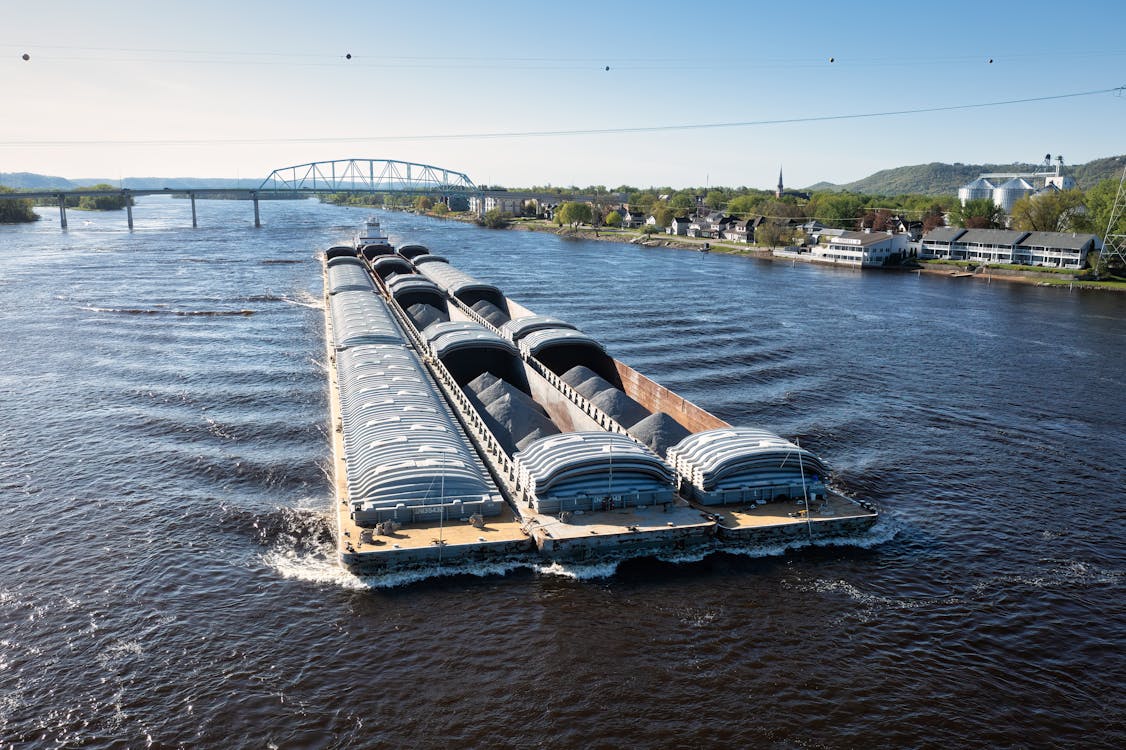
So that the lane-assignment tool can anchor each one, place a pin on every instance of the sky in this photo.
(510, 92)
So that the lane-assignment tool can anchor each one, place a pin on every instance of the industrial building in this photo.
(1006, 188)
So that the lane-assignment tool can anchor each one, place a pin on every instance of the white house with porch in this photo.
(861, 249)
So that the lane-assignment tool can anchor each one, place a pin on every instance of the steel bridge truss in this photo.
(367, 176)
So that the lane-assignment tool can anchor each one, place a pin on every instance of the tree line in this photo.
(1076, 210)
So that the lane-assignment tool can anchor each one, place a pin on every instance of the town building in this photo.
(679, 225)
(862, 249)
(710, 226)
(632, 218)
(1052, 249)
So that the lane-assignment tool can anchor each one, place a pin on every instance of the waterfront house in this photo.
(632, 218)
(986, 245)
(861, 249)
(1058, 249)
(740, 231)
(914, 229)
(710, 226)
(680, 225)
(698, 227)
(937, 242)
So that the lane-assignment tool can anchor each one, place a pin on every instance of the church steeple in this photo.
(778, 192)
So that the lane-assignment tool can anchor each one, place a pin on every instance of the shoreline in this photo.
(677, 242)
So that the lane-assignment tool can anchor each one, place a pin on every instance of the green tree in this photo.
(644, 201)
(613, 219)
(716, 199)
(493, 219)
(980, 213)
(681, 203)
(574, 214)
(110, 201)
(441, 209)
(774, 233)
(840, 210)
(423, 203)
(1100, 202)
(663, 215)
(747, 205)
(16, 210)
(1051, 212)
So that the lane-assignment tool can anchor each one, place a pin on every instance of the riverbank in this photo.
(679, 242)
(989, 274)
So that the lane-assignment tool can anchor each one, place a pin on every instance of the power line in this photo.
(661, 62)
(562, 133)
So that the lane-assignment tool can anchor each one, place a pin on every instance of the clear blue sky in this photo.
(239, 88)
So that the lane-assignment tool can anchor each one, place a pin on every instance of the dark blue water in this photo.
(165, 555)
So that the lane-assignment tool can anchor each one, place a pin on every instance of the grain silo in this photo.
(976, 190)
(1008, 193)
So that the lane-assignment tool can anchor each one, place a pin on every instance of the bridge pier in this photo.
(62, 211)
(195, 224)
(257, 220)
(129, 212)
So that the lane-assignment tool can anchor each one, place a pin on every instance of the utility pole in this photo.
(1114, 241)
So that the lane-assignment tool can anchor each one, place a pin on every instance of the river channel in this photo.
(166, 573)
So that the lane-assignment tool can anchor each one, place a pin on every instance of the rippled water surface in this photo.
(165, 556)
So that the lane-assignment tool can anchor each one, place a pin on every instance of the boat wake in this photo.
(321, 567)
(305, 299)
(164, 311)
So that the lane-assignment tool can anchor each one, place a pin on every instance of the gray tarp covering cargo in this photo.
(518, 328)
(737, 458)
(348, 277)
(468, 349)
(408, 290)
(362, 318)
(562, 349)
(593, 471)
(459, 284)
(413, 250)
(390, 265)
(402, 446)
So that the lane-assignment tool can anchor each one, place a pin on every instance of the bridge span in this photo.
(356, 176)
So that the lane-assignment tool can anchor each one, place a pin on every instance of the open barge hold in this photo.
(468, 428)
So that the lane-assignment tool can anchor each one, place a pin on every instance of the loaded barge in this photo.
(467, 428)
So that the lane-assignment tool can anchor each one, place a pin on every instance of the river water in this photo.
(165, 555)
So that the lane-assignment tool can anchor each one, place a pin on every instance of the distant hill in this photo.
(32, 181)
(937, 178)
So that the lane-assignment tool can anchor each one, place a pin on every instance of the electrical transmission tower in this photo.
(1114, 241)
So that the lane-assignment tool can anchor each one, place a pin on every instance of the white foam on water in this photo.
(322, 568)
(305, 299)
(588, 571)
